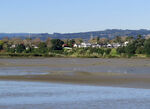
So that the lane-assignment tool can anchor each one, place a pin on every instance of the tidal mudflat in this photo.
(36, 95)
(75, 65)
(74, 83)
(133, 73)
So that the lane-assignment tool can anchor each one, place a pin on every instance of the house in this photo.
(13, 46)
(96, 46)
(76, 45)
(65, 45)
(34, 46)
(109, 46)
(85, 45)
(125, 43)
(116, 45)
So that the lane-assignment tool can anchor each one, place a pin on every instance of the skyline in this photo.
(69, 16)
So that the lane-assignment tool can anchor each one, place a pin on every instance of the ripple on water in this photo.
(33, 95)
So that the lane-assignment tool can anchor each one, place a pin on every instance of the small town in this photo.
(94, 47)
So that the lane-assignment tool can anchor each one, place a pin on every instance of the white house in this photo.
(109, 45)
(76, 45)
(85, 45)
(96, 46)
(13, 46)
(116, 45)
(34, 46)
(126, 43)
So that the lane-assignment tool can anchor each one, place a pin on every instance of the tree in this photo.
(27, 42)
(20, 48)
(131, 48)
(120, 50)
(42, 47)
(104, 40)
(97, 39)
(16, 41)
(78, 40)
(147, 46)
(118, 39)
(1, 45)
(48, 42)
(107, 51)
(71, 42)
(36, 41)
(129, 38)
(56, 44)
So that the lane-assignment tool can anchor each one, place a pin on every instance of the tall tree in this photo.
(57, 44)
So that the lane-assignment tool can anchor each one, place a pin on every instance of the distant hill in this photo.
(109, 33)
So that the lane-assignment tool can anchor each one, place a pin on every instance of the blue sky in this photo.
(73, 15)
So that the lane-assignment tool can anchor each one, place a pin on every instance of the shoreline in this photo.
(53, 55)
(99, 79)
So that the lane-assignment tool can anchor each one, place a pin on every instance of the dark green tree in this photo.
(147, 47)
(121, 50)
(42, 47)
(131, 48)
(20, 48)
(56, 44)
(71, 42)
(1, 47)
(107, 51)
(118, 39)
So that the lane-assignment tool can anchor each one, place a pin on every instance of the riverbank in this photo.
(54, 55)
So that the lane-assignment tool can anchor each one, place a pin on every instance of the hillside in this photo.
(109, 33)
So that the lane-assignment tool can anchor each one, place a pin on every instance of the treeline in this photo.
(138, 46)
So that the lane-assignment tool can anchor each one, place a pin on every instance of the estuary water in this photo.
(44, 95)
(37, 95)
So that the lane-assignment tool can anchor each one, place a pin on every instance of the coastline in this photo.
(98, 79)
(53, 55)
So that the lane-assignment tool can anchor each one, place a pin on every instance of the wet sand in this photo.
(82, 71)
(102, 79)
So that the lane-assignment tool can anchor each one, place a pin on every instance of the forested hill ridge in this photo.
(109, 33)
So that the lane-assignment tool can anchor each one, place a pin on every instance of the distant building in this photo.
(85, 45)
(76, 45)
(116, 45)
(126, 43)
(96, 46)
(109, 46)
(13, 46)
(34, 46)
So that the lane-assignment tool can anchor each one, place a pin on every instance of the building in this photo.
(85, 45)
(109, 46)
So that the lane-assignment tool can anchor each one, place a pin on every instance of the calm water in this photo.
(36, 95)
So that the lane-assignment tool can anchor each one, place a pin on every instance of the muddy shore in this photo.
(102, 79)
(80, 71)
